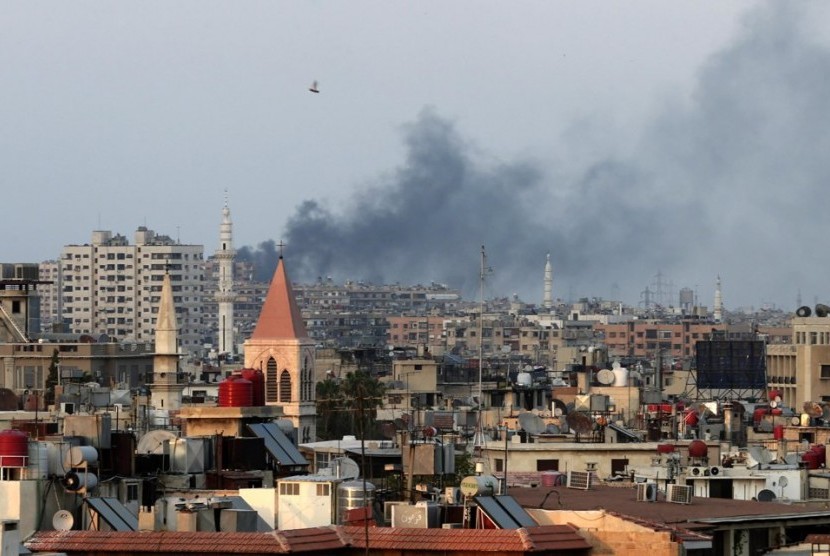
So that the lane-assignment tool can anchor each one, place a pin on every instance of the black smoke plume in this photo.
(732, 181)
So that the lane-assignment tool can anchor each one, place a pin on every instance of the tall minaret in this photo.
(547, 303)
(718, 302)
(166, 391)
(224, 292)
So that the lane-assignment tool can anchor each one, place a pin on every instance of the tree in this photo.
(363, 394)
(348, 406)
(329, 404)
(52, 378)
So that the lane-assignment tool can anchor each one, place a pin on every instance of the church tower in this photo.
(547, 302)
(166, 391)
(281, 348)
(224, 292)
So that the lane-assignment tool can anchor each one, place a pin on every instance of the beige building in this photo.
(281, 348)
(109, 286)
(801, 370)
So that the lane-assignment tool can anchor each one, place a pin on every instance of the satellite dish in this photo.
(531, 424)
(63, 520)
(782, 481)
(813, 409)
(552, 429)
(580, 423)
(286, 426)
(559, 407)
(766, 495)
(347, 468)
(153, 442)
(605, 377)
(773, 404)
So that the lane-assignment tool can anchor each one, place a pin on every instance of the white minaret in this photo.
(547, 303)
(224, 292)
(718, 302)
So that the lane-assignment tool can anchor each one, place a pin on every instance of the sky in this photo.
(627, 139)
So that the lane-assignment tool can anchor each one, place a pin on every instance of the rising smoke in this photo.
(732, 181)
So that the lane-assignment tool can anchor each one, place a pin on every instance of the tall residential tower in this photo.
(224, 291)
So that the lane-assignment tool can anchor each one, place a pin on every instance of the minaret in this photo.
(547, 303)
(281, 348)
(718, 313)
(224, 292)
(166, 392)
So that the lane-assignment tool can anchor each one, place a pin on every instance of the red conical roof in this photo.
(280, 316)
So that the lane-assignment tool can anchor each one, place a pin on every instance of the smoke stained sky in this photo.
(688, 138)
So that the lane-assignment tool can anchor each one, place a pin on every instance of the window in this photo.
(825, 371)
(323, 490)
(132, 492)
(289, 489)
(271, 380)
(547, 465)
(498, 463)
(285, 386)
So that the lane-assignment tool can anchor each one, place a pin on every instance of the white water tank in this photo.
(620, 374)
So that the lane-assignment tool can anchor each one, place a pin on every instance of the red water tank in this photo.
(810, 459)
(235, 391)
(691, 418)
(821, 454)
(778, 432)
(257, 380)
(665, 448)
(773, 394)
(698, 449)
(758, 415)
(14, 448)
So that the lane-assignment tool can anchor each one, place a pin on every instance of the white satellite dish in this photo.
(782, 481)
(63, 520)
(347, 468)
(605, 377)
(773, 404)
(153, 442)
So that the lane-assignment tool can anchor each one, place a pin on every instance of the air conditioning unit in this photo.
(714, 471)
(647, 492)
(699, 471)
(679, 494)
(579, 479)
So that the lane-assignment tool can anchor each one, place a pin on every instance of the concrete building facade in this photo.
(112, 287)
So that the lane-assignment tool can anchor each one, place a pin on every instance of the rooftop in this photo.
(545, 539)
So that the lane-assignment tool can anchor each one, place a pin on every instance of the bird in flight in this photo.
(313, 87)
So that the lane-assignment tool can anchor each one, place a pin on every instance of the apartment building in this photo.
(112, 287)
(800, 371)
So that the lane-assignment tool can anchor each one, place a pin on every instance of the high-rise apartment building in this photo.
(112, 287)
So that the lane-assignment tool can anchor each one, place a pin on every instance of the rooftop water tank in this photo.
(257, 380)
(235, 391)
(350, 496)
(698, 449)
(14, 448)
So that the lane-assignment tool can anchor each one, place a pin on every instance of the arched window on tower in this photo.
(271, 381)
(285, 386)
